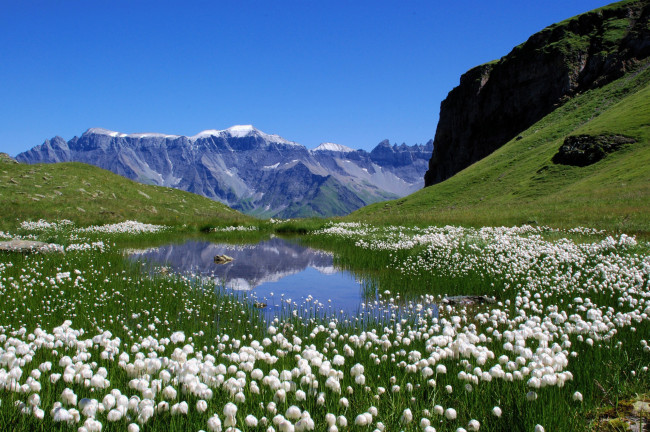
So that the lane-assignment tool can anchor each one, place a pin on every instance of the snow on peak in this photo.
(241, 131)
(333, 147)
(236, 131)
(101, 131)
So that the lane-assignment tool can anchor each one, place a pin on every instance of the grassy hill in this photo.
(519, 183)
(88, 195)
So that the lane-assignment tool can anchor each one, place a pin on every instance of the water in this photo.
(274, 272)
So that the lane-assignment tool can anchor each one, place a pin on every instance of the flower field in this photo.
(90, 342)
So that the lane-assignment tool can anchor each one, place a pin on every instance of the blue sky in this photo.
(349, 72)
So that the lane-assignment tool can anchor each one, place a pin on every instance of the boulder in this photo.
(583, 150)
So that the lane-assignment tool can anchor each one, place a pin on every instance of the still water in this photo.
(272, 271)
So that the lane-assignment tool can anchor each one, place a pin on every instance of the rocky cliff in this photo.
(496, 101)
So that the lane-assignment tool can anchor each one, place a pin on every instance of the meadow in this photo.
(89, 341)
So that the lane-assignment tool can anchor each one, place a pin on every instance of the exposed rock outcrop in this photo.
(496, 101)
(583, 150)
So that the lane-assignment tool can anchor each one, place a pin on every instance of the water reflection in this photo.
(275, 270)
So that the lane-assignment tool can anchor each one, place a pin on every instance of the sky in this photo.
(349, 72)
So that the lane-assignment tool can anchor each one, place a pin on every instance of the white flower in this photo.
(539, 428)
(169, 392)
(361, 420)
(496, 411)
(250, 420)
(450, 414)
(177, 337)
(68, 397)
(407, 416)
(293, 413)
(301, 395)
(577, 396)
(114, 415)
(473, 425)
(201, 406)
(214, 424)
(230, 409)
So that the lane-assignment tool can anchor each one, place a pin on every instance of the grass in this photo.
(102, 291)
(519, 183)
(91, 195)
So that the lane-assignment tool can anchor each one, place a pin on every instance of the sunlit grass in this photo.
(567, 311)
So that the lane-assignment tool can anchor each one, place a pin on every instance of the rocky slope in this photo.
(496, 101)
(249, 170)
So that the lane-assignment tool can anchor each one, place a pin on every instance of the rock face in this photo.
(496, 101)
(583, 150)
(249, 170)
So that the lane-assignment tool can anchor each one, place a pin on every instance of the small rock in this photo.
(222, 259)
(468, 300)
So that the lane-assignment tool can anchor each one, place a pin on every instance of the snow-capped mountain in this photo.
(249, 170)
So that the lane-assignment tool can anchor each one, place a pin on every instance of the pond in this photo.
(273, 272)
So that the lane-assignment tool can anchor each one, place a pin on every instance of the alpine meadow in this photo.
(494, 277)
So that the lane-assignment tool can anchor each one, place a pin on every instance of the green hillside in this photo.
(88, 195)
(519, 183)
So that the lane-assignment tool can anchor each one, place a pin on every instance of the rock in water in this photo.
(222, 259)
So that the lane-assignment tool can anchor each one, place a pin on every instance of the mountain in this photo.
(249, 170)
(497, 101)
(585, 162)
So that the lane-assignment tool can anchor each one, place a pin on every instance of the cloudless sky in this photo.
(349, 72)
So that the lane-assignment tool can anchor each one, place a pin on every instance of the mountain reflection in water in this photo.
(274, 269)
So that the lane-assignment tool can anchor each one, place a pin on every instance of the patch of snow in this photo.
(333, 147)
(274, 166)
(101, 131)
(150, 135)
(236, 131)
(241, 131)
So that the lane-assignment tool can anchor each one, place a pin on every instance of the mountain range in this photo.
(257, 173)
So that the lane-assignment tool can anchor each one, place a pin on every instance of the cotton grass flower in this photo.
(450, 414)
(406, 417)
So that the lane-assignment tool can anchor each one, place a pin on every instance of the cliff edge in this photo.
(496, 101)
